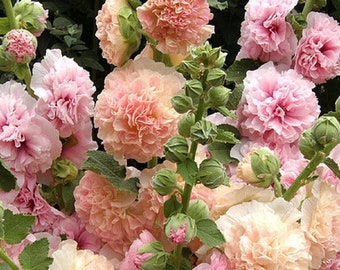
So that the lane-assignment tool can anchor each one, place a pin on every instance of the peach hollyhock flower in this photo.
(265, 33)
(321, 222)
(318, 53)
(276, 107)
(264, 236)
(68, 257)
(64, 90)
(28, 142)
(214, 260)
(176, 25)
(111, 41)
(134, 114)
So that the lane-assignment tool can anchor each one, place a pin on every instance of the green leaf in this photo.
(105, 165)
(209, 234)
(235, 97)
(336, 4)
(188, 170)
(221, 152)
(67, 193)
(16, 226)
(225, 136)
(4, 266)
(238, 70)
(4, 25)
(333, 166)
(7, 179)
(35, 256)
(226, 112)
(218, 5)
(62, 22)
(172, 206)
(152, 247)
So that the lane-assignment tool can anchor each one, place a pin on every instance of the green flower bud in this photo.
(180, 228)
(176, 149)
(218, 96)
(203, 132)
(212, 173)
(326, 130)
(192, 67)
(185, 124)
(216, 77)
(182, 103)
(194, 89)
(198, 209)
(208, 56)
(308, 145)
(259, 167)
(156, 262)
(64, 171)
(164, 181)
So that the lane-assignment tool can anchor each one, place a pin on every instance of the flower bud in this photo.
(164, 181)
(308, 145)
(185, 124)
(31, 16)
(194, 89)
(64, 171)
(156, 262)
(326, 130)
(203, 132)
(176, 149)
(19, 46)
(218, 96)
(182, 103)
(216, 76)
(259, 167)
(198, 209)
(192, 67)
(212, 173)
(180, 228)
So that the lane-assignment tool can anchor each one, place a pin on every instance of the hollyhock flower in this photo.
(19, 46)
(133, 259)
(264, 236)
(134, 114)
(265, 33)
(176, 25)
(214, 260)
(321, 222)
(68, 257)
(28, 142)
(111, 41)
(331, 264)
(64, 90)
(276, 107)
(318, 53)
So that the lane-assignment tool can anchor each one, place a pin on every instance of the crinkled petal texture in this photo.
(276, 106)
(264, 236)
(318, 53)
(65, 92)
(134, 114)
(68, 257)
(321, 222)
(111, 41)
(265, 33)
(28, 142)
(176, 25)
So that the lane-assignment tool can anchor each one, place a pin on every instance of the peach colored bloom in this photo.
(213, 260)
(321, 221)
(264, 236)
(318, 52)
(68, 257)
(111, 41)
(176, 25)
(134, 114)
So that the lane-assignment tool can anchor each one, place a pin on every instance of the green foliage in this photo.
(209, 234)
(188, 170)
(7, 179)
(218, 5)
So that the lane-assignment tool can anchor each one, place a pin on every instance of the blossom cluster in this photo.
(177, 163)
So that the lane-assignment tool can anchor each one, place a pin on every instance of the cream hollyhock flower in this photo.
(68, 257)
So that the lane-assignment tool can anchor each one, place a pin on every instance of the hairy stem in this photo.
(10, 14)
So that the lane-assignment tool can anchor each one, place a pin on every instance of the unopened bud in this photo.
(164, 181)
(64, 171)
(198, 209)
(326, 130)
(203, 132)
(176, 149)
(182, 103)
(180, 228)
(218, 96)
(212, 173)
(308, 145)
(185, 124)
(194, 89)
(216, 76)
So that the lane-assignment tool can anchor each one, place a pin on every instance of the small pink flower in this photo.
(178, 236)
(214, 260)
(19, 46)
(265, 33)
(28, 142)
(176, 25)
(276, 107)
(318, 53)
(134, 114)
(64, 90)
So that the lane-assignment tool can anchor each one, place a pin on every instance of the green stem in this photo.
(178, 256)
(152, 162)
(8, 260)
(28, 79)
(308, 7)
(10, 14)
(278, 187)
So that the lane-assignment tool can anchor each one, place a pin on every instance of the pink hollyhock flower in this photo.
(19, 46)
(318, 53)
(28, 142)
(133, 259)
(111, 41)
(265, 33)
(321, 222)
(176, 25)
(331, 264)
(214, 260)
(68, 257)
(134, 114)
(276, 107)
(64, 90)
(264, 236)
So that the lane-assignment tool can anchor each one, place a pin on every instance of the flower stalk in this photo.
(308, 7)
(10, 14)
(8, 260)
